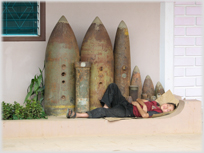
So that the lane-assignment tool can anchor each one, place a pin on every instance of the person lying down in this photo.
(115, 105)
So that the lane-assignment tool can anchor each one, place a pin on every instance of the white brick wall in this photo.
(188, 49)
(199, 81)
(179, 72)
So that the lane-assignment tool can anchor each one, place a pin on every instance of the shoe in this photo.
(70, 113)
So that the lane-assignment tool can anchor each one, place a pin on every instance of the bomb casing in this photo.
(136, 80)
(134, 92)
(61, 53)
(122, 63)
(97, 49)
(159, 89)
(82, 86)
(148, 87)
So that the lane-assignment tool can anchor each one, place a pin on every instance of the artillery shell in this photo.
(134, 92)
(82, 86)
(122, 59)
(148, 87)
(136, 80)
(159, 88)
(97, 49)
(61, 54)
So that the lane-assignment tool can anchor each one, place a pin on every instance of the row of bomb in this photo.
(147, 91)
(62, 54)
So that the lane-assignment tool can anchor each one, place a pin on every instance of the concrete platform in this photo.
(186, 119)
(120, 143)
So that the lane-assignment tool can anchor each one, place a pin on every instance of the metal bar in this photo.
(25, 19)
(21, 28)
(6, 16)
(38, 17)
(14, 20)
(22, 12)
(21, 19)
(17, 4)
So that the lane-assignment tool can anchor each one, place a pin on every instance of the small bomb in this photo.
(136, 80)
(159, 90)
(148, 88)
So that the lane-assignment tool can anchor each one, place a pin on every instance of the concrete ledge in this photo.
(186, 119)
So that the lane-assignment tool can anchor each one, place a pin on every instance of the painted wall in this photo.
(188, 50)
(22, 59)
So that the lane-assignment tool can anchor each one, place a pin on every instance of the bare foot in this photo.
(105, 106)
(82, 115)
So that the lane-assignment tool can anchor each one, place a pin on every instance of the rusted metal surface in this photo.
(82, 86)
(148, 87)
(136, 80)
(122, 59)
(159, 90)
(97, 49)
(144, 96)
(61, 54)
(134, 92)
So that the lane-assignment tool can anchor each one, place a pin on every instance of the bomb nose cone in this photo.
(159, 89)
(97, 21)
(63, 19)
(158, 84)
(122, 25)
(136, 69)
(147, 77)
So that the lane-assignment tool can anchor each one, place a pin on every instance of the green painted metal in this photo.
(20, 18)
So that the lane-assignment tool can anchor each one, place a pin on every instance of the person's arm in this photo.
(141, 111)
(141, 102)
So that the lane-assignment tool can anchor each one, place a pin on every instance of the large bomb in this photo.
(148, 88)
(122, 59)
(136, 80)
(61, 54)
(97, 49)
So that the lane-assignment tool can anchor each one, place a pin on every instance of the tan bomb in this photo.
(148, 88)
(122, 59)
(159, 90)
(61, 54)
(136, 80)
(97, 49)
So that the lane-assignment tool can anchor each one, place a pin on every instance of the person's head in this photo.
(167, 107)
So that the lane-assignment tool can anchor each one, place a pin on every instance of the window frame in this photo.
(41, 37)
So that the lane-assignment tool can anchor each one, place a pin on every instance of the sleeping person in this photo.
(115, 105)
